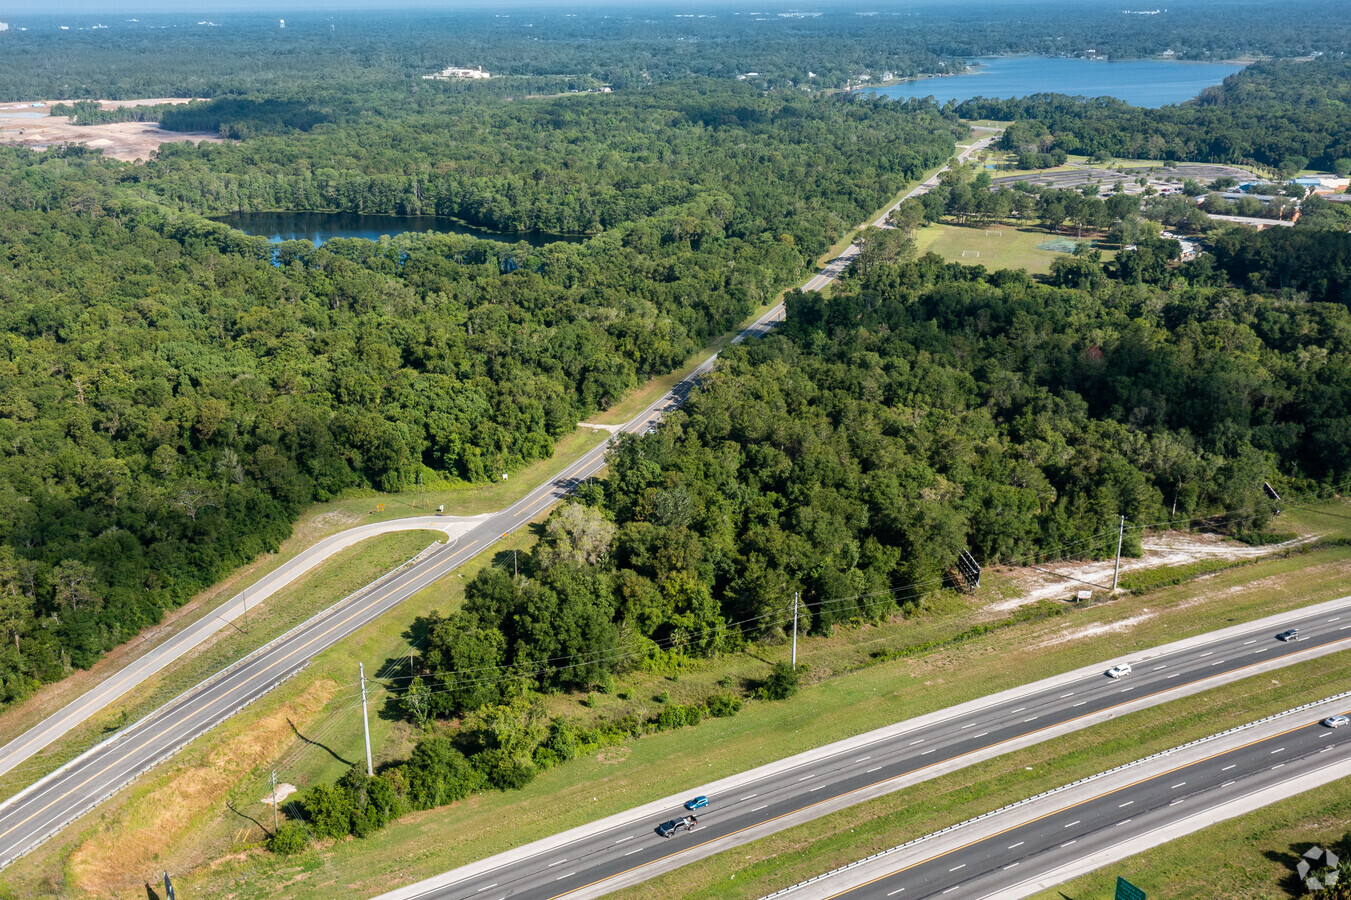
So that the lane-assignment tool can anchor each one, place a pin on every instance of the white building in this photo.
(458, 72)
(4, 26)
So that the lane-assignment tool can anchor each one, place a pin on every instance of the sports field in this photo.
(997, 247)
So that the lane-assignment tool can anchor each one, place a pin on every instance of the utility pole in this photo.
(515, 565)
(365, 722)
(795, 595)
(1120, 534)
(422, 498)
(275, 804)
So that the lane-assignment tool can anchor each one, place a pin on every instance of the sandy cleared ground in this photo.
(1060, 581)
(26, 125)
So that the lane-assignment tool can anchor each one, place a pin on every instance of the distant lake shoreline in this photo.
(1140, 82)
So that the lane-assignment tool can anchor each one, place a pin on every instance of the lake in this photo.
(319, 227)
(1140, 82)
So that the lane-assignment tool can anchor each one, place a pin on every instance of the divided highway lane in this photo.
(628, 851)
(1022, 860)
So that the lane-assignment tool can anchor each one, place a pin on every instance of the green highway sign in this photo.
(1127, 891)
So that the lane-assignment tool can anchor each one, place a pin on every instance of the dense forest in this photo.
(923, 409)
(789, 164)
(542, 49)
(175, 391)
(1284, 115)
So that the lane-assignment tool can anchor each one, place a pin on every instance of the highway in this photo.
(32, 741)
(624, 850)
(42, 809)
(1024, 849)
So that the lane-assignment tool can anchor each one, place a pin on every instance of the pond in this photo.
(1140, 82)
(319, 227)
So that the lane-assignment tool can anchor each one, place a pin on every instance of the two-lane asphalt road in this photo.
(224, 616)
(625, 850)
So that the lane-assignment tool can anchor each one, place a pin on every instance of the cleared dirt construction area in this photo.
(26, 125)
(1063, 580)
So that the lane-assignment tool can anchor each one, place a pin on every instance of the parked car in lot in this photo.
(1119, 670)
(1288, 635)
(697, 803)
(668, 828)
(1336, 721)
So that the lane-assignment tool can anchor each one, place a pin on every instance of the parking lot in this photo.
(1160, 178)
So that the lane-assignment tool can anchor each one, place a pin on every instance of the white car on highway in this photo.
(1336, 721)
(1119, 670)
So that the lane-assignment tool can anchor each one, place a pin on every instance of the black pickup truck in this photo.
(666, 829)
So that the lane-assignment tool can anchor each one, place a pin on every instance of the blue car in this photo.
(696, 803)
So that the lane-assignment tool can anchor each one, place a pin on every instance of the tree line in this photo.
(924, 409)
(352, 53)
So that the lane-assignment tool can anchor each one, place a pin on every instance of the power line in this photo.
(900, 594)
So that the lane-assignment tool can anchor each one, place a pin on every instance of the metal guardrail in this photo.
(1053, 791)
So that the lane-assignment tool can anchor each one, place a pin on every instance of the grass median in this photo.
(205, 804)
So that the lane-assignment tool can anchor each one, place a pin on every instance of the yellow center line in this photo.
(936, 764)
(555, 482)
(360, 611)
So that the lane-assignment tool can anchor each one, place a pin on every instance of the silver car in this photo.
(1119, 671)
(1336, 721)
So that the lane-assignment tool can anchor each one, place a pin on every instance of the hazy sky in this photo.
(11, 9)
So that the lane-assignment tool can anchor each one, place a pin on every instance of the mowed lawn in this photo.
(999, 246)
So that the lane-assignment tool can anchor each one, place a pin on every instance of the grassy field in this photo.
(1251, 857)
(1008, 247)
(848, 693)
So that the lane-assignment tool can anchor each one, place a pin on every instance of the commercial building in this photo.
(452, 72)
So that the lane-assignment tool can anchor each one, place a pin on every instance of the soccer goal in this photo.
(993, 233)
(966, 253)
